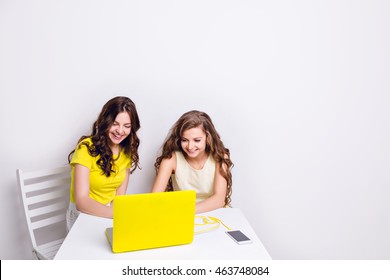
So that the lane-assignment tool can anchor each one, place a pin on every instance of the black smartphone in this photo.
(239, 237)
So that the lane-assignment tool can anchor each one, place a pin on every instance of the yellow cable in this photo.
(219, 221)
(209, 220)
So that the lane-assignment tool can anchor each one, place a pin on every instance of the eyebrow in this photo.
(115, 122)
(196, 138)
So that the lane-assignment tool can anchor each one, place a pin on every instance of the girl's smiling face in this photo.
(193, 142)
(120, 128)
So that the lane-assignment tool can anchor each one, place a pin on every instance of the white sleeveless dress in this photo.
(188, 178)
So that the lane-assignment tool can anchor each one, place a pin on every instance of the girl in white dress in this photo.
(193, 157)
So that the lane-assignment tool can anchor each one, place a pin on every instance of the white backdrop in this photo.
(298, 90)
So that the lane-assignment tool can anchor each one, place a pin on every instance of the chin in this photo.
(116, 142)
(192, 155)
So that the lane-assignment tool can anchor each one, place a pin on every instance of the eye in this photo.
(128, 126)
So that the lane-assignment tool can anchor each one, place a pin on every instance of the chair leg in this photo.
(36, 254)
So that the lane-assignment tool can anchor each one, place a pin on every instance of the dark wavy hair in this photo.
(100, 139)
(214, 145)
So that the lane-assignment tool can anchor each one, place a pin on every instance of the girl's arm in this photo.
(217, 200)
(83, 202)
(167, 167)
(123, 187)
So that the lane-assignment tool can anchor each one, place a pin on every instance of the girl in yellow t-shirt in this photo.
(103, 161)
(193, 157)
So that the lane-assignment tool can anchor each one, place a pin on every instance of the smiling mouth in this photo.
(117, 137)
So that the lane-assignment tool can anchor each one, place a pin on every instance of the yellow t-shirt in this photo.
(101, 188)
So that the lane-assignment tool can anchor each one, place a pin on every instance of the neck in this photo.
(197, 162)
(115, 149)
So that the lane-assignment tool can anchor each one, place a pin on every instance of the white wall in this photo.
(299, 91)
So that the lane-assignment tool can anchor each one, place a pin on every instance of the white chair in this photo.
(45, 196)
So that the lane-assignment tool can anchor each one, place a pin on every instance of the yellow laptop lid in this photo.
(152, 220)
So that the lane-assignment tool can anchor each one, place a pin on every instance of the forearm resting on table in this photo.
(209, 204)
(89, 206)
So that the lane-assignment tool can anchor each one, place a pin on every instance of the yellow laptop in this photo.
(152, 220)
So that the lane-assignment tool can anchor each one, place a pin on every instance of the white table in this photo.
(87, 240)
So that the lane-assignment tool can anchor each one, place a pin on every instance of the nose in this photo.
(120, 130)
(190, 145)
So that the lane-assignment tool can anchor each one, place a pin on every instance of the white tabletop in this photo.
(87, 240)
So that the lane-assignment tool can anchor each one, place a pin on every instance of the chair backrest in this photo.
(45, 196)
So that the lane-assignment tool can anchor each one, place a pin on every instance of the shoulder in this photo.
(86, 142)
(222, 163)
(173, 158)
(82, 155)
(217, 159)
(170, 162)
(83, 148)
